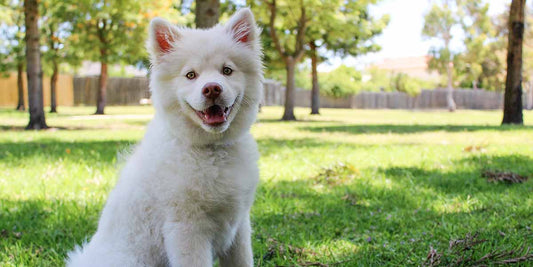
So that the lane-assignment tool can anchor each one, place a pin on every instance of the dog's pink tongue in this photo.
(214, 115)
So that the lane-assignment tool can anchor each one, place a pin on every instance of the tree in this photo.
(528, 53)
(341, 81)
(56, 29)
(486, 44)
(478, 30)
(438, 23)
(12, 47)
(288, 38)
(33, 66)
(113, 32)
(390, 81)
(315, 88)
(344, 27)
(512, 110)
(207, 13)
(320, 22)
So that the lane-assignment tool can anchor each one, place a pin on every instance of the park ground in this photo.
(347, 188)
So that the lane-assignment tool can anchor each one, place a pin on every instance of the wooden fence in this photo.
(427, 99)
(129, 91)
(9, 90)
(430, 99)
(120, 91)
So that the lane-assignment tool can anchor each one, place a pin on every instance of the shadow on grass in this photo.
(467, 177)
(408, 129)
(296, 121)
(394, 225)
(45, 229)
(17, 128)
(92, 152)
(106, 151)
(124, 124)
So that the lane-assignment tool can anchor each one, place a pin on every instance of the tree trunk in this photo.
(33, 66)
(315, 91)
(288, 114)
(530, 96)
(102, 90)
(512, 109)
(206, 13)
(53, 88)
(449, 93)
(20, 88)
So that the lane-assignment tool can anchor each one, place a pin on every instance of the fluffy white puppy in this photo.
(184, 196)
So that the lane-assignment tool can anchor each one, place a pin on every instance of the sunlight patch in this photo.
(457, 204)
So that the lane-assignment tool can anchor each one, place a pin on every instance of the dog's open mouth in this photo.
(214, 115)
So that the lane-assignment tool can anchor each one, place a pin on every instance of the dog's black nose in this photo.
(212, 90)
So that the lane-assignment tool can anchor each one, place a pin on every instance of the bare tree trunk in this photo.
(288, 114)
(315, 90)
(449, 93)
(53, 88)
(512, 109)
(33, 66)
(102, 90)
(206, 13)
(20, 88)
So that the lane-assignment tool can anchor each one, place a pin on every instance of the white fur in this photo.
(184, 196)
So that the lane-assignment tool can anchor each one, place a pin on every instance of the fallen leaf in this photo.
(475, 148)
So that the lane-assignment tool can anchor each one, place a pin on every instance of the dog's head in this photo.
(204, 81)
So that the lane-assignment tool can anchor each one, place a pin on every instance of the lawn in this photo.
(346, 188)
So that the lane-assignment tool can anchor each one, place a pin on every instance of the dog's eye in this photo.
(227, 71)
(190, 75)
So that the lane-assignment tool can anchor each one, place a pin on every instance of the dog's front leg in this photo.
(240, 253)
(187, 245)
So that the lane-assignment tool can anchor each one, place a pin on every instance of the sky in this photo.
(402, 37)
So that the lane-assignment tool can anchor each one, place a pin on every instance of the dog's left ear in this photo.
(241, 26)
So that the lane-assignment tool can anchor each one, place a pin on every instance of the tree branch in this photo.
(273, 34)
(300, 36)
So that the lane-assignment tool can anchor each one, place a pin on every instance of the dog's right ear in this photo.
(161, 38)
(241, 26)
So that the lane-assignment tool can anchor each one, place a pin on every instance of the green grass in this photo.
(352, 187)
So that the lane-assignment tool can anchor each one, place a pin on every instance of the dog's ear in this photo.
(241, 26)
(161, 38)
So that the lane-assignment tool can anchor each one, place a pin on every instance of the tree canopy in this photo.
(296, 27)
(343, 28)
(113, 32)
(12, 47)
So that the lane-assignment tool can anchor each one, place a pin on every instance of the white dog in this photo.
(184, 196)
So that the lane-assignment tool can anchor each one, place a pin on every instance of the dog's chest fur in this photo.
(209, 185)
(212, 180)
